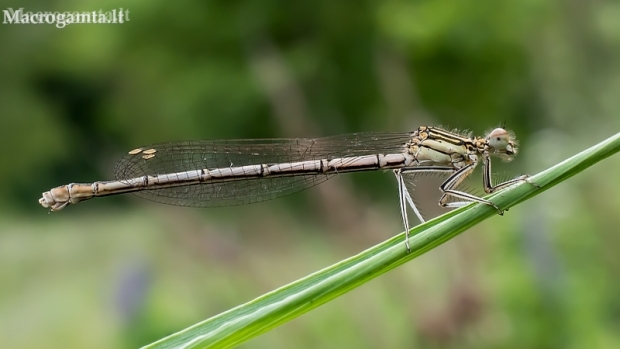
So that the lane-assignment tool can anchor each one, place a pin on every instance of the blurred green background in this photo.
(122, 272)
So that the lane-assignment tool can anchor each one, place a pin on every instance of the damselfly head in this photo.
(502, 143)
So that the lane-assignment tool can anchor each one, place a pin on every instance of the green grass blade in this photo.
(246, 321)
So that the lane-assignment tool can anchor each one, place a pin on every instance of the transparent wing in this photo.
(173, 157)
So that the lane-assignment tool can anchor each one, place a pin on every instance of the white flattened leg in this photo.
(405, 198)
(403, 195)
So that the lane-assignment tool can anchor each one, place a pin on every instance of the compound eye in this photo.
(499, 139)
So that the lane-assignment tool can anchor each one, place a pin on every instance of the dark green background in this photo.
(122, 272)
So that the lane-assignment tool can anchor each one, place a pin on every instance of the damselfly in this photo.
(210, 173)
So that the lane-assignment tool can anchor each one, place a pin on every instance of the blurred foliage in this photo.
(111, 275)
